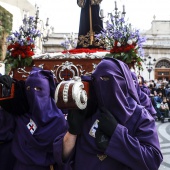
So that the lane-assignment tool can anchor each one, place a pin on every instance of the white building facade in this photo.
(158, 47)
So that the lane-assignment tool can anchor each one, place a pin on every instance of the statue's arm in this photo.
(95, 2)
(81, 3)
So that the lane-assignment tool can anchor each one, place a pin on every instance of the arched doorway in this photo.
(162, 70)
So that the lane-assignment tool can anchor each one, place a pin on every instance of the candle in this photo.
(130, 27)
(48, 32)
(102, 13)
(37, 14)
(115, 5)
(25, 16)
(47, 22)
(123, 8)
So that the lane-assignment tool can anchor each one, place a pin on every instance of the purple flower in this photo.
(119, 35)
(27, 33)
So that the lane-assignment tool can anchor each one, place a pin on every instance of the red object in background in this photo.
(84, 50)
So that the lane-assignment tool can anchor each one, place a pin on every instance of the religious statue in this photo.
(90, 24)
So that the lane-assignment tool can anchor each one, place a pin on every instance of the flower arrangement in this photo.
(124, 43)
(69, 42)
(21, 44)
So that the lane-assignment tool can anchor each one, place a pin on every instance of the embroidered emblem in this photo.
(31, 126)
(101, 157)
(93, 128)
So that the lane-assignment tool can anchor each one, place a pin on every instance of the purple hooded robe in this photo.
(36, 130)
(143, 97)
(134, 144)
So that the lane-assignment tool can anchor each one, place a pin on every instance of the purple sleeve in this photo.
(146, 90)
(142, 151)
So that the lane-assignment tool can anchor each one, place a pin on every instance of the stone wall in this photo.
(54, 42)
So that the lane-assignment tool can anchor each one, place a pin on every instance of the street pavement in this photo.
(164, 139)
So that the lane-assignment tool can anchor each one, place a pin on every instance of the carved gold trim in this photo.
(84, 41)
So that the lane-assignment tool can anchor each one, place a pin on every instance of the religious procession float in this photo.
(112, 37)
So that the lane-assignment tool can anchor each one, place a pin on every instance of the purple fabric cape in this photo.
(134, 143)
(34, 151)
(143, 97)
(145, 89)
(7, 125)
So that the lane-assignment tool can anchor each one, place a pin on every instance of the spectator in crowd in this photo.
(159, 97)
(145, 100)
(167, 90)
(164, 108)
(154, 84)
(152, 90)
(158, 83)
(157, 100)
(119, 134)
(161, 90)
(168, 84)
(164, 81)
(168, 102)
(143, 85)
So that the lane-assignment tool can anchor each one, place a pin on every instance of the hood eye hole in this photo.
(28, 88)
(104, 78)
(37, 88)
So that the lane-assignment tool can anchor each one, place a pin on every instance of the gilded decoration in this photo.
(84, 41)
(101, 157)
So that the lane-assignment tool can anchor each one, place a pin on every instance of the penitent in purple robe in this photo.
(36, 130)
(143, 87)
(134, 145)
(143, 97)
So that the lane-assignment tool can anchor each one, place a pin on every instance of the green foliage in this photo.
(18, 62)
(6, 19)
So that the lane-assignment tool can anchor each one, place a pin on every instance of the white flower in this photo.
(134, 40)
(118, 44)
(129, 42)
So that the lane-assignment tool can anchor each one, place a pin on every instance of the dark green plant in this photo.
(6, 19)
